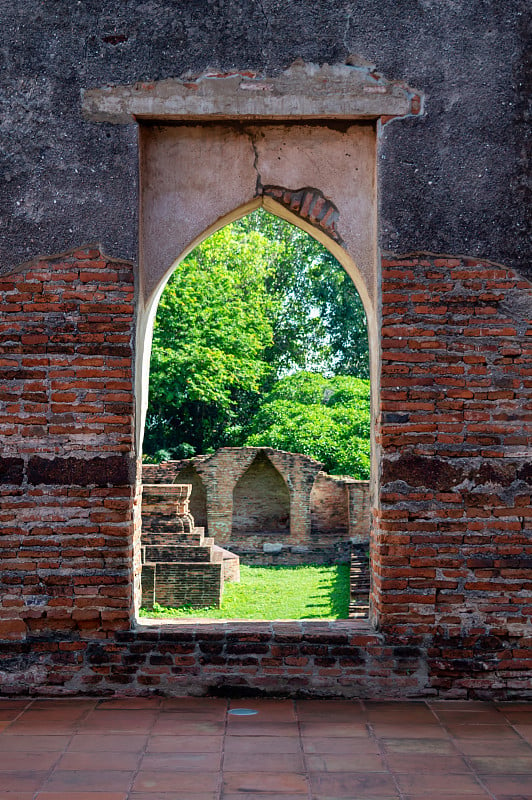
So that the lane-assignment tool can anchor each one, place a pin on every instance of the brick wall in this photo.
(451, 549)
(329, 507)
(66, 504)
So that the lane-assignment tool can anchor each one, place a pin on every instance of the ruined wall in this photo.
(67, 474)
(252, 498)
(329, 507)
(261, 502)
(451, 552)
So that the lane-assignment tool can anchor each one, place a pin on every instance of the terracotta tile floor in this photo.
(192, 749)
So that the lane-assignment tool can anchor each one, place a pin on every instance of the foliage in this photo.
(321, 325)
(213, 324)
(326, 418)
(258, 300)
(277, 593)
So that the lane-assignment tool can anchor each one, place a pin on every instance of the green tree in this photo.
(213, 324)
(325, 418)
(258, 300)
(321, 325)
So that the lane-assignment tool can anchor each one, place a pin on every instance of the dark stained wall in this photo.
(451, 182)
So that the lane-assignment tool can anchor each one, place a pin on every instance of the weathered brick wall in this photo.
(261, 502)
(182, 471)
(173, 584)
(66, 505)
(452, 548)
(329, 507)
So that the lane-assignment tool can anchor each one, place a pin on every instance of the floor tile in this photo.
(118, 720)
(29, 742)
(480, 795)
(10, 710)
(256, 782)
(16, 795)
(351, 785)
(345, 762)
(181, 762)
(82, 796)
(462, 716)
(525, 731)
(242, 745)
(184, 744)
(426, 762)
(199, 705)
(481, 747)
(268, 710)
(24, 759)
(39, 727)
(22, 781)
(112, 743)
(263, 762)
(340, 746)
(492, 732)
(388, 730)
(262, 796)
(173, 724)
(89, 781)
(428, 785)
(130, 703)
(334, 729)
(246, 727)
(434, 746)
(106, 760)
(176, 794)
(148, 781)
(501, 765)
(508, 784)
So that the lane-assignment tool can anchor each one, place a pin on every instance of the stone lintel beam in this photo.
(304, 91)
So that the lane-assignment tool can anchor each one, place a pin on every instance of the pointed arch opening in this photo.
(261, 503)
(260, 500)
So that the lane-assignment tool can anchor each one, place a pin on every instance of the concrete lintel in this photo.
(304, 91)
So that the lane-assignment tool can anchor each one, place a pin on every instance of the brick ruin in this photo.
(267, 506)
(450, 548)
(180, 565)
(450, 344)
(271, 507)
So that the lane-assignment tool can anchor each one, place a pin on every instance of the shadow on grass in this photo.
(338, 595)
(324, 597)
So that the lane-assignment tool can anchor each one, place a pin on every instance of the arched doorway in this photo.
(261, 501)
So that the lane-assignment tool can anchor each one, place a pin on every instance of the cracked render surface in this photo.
(66, 181)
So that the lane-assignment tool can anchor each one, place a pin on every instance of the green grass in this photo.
(305, 592)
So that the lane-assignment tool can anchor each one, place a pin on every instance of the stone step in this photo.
(359, 581)
(180, 553)
(163, 538)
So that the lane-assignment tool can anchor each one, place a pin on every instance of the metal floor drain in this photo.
(242, 712)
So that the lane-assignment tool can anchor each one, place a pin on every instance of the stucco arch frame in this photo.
(312, 127)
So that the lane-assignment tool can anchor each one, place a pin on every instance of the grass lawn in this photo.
(305, 592)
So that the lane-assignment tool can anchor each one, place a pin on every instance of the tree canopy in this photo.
(325, 418)
(252, 306)
(213, 324)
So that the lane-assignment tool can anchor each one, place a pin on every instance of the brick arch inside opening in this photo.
(261, 501)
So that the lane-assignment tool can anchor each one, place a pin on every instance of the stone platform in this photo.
(180, 565)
